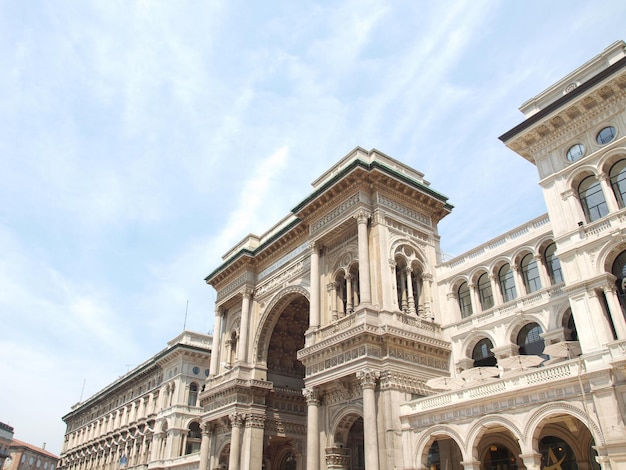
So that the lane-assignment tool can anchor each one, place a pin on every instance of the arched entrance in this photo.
(565, 443)
(284, 435)
(444, 454)
(348, 452)
(499, 449)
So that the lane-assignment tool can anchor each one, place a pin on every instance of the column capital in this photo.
(427, 277)
(219, 311)
(408, 269)
(314, 247)
(451, 295)
(255, 421)
(368, 378)
(236, 420)
(362, 216)
(247, 292)
(392, 263)
(332, 286)
(609, 288)
(311, 395)
(378, 217)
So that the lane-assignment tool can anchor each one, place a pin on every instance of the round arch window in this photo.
(575, 152)
(606, 135)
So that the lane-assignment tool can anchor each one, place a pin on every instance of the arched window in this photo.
(553, 264)
(530, 341)
(193, 394)
(194, 438)
(530, 273)
(484, 292)
(465, 303)
(618, 181)
(507, 283)
(483, 355)
(592, 199)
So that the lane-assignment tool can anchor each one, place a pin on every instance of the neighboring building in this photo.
(6, 435)
(24, 456)
(337, 330)
(147, 418)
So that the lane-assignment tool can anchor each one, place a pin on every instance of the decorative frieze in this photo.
(405, 211)
(230, 288)
(334, 214)
(282, 261)
(405, 229)
(280, 279)
(343, 358)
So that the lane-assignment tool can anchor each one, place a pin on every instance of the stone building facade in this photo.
(148, 418)
(343, 340)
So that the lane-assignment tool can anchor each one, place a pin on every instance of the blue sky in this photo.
(140, 140)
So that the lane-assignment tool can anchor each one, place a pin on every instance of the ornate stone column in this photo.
(312, 430)
(332, 291)
(242, 345)
(427, 280)
(349, 305)
(217, 331)
(543, 271)
(314, 301)
(474, 298)
(364, 258)
(404, 301)
(615, 310)
(409, 288)
(368, 378)
(495, 290)
(236, 421)
(205, 445)
(252, 458)
(520, 287)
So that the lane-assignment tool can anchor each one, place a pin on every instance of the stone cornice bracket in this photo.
(236, 420)
(311, 395)
(367, 378)
(362, 216)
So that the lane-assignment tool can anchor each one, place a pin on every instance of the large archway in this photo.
(286, 406)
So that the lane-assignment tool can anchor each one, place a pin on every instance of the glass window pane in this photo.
(484, 292)
(575, 152)
(554, 265)
(530, 273)
(606, 135)
(592, 199)
(465, 303)
(507, 283)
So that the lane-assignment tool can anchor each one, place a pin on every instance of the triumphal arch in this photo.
(326, 323)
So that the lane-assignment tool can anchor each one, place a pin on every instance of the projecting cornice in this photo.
(587, 100)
